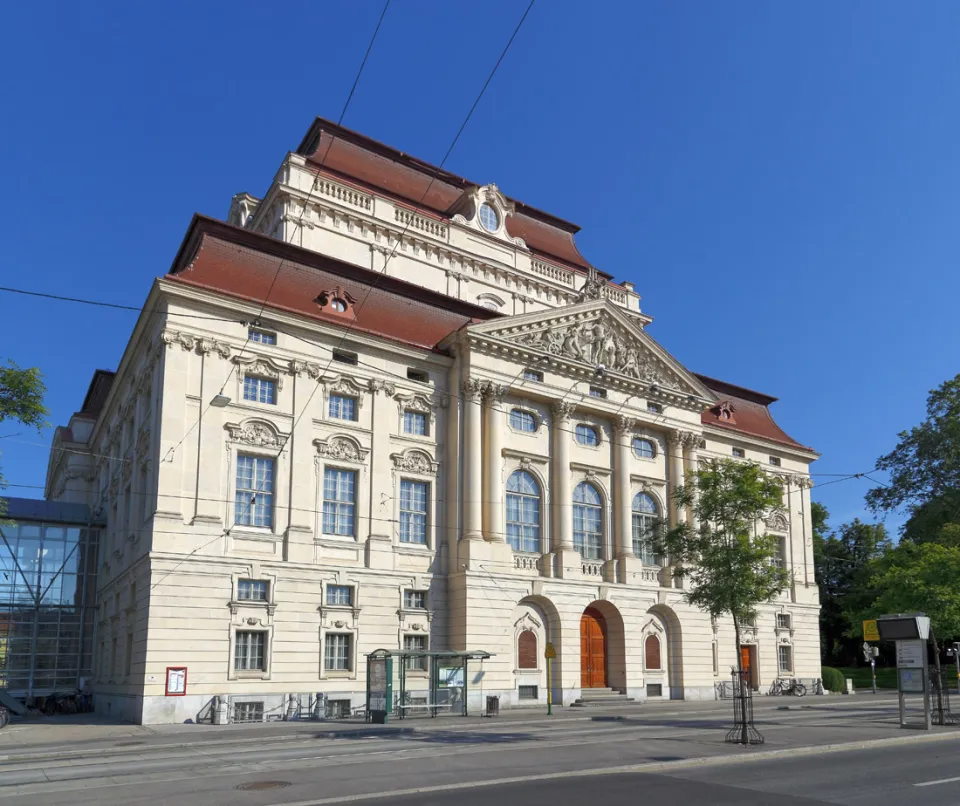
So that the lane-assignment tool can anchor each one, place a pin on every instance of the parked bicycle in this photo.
(4, 717)
(788, 686)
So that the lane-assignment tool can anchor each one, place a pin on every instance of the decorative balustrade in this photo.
(651, 575)
(414, 221)
(592, 569)
(553, 272)
(526, 562)
(616, 295)
(344, 194)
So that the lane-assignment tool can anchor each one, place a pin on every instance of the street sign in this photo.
(870, 631)
(550, 652)
(910, 654)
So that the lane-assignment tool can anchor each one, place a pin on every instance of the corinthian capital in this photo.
(494, 392)
(472, 389)
(623, 425)
(561, 410)
(803, 482)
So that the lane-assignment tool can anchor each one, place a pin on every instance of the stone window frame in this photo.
(606, 509)
(658, 499)
(527, 466)
(601, 437)
(233, 449)
(646, 638)
(336, 674)
(646, 438)
(418, 673)
(536, 655)
(432, 482)
(537, 419)
(255, 674)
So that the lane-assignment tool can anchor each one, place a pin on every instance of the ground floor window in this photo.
(416, 643)
(248, 651)
(528, 692)
(785, 658)
(336, 653)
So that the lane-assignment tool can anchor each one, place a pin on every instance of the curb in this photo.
(646, 767)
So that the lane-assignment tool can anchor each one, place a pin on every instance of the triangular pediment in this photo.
(595, 333)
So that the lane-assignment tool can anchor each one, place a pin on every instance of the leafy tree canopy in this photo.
(727, 561)
(21, 399)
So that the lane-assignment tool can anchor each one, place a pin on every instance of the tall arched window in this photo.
(651, 652)
(645, 515)
(527, 650)
(588, 521)
(523, 512)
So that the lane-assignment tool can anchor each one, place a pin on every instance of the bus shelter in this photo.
(407, 682)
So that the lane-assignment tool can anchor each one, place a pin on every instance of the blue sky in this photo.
(779, 180)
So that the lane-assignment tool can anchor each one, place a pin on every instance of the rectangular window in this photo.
(739, 453)
(783, 621)
(343, 407)
(785, 658)
(414, 600)
(418, 375)
(339, 501)
(128, 666)
(254, 499)
(416, 643)
(345, 357)
(247, 712)
(596, 391)
(527, 692)
(654, 689)
(261, 336)
(413, 512)
(248, 654)
(780, 557)
(655, 408)
(775, 461)
(415, 422)
(251, 590)
(259, 390)
(339, 595)
(336, 652)
(534, 375)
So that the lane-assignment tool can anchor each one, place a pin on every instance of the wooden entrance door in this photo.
(593, 650)
(748, 663)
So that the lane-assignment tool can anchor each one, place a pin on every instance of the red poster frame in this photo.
(166, 682)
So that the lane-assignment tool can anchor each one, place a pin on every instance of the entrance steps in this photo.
(594, 697)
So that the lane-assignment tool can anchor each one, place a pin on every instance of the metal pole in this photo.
(873, 673)
(549, 690)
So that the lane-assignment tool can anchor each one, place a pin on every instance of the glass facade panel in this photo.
(47, 606)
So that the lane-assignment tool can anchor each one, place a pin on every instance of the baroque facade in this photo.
(383, 407)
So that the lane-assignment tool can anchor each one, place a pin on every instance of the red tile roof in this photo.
(250, 266)
(750, 413)
(354, 157)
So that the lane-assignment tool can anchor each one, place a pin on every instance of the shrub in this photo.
(833, 679)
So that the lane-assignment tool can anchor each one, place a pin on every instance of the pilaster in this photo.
(494, 528)
(471, 390)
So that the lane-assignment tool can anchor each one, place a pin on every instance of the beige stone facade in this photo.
(289, 488)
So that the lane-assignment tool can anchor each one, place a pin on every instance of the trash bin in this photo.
(378, 717)
(493, 706)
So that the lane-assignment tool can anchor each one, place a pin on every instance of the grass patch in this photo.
(886, 677)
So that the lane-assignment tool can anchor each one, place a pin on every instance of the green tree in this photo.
(916, 578)
(842, 561)
(728, 562)
(924, 469)
(21, 399)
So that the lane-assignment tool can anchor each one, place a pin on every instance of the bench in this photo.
(403, 709)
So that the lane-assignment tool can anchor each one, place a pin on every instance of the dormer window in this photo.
(489, 217)
(724, 412)
(337, 301)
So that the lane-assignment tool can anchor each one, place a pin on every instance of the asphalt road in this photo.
(530, 759)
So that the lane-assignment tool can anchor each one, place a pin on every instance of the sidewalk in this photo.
(857, 718)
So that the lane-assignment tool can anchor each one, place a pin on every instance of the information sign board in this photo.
(870, 631)
(911, 680)
(910, 654)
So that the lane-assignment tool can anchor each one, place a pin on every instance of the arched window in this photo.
(644, 448)
(527, 650)
(522, 420)
(523, 512)
(587, 435)
(588, 521)
(645, 515)
(651, 653)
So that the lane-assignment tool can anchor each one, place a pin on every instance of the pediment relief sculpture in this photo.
(341, 448)
(262, 366)
(259, 433)
(415, 461)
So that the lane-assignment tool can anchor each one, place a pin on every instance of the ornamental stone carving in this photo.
(341, 449)
(264, 367)
(562, 410)
(494, 392)
(375, 385)
(344, 385)
(777, 522)
(622, 425)
(473, 388)
(205, 346)
(255, 432)
(413, 461)
(172, 337)
(592, 286)
(306, 368)
(803, 483)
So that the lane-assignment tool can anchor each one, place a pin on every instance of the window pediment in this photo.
(341, 448)
(415, 461)
(260, 433)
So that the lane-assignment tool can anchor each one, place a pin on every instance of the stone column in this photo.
(298, 544)
(567, 559)
(675, 443)
(804, 485)
(383, 418)
(494, 528)
(623, 506)
(472, 460)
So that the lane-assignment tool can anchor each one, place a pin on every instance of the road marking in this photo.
(941, 781)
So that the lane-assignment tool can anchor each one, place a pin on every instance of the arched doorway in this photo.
(671, 656)
(593, 649)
